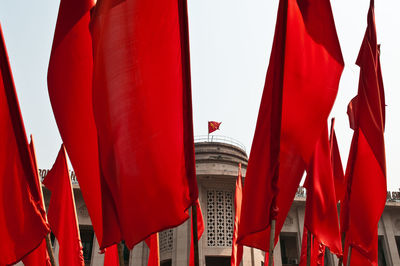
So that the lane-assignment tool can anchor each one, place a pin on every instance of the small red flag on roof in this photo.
(212, 126)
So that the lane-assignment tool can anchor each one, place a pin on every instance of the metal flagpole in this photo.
(308, 248)
(120, 247)
(271, 244)
(349, 256)
(47, 237)
(195, 239)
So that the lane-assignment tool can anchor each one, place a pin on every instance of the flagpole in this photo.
(47, 237)
(308, 248)
(50, 250)
(271, 243)
(340, 263)
(120, 248)
(349, 256)
(195, 238)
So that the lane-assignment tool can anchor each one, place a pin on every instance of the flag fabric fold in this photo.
(366, 166)
(301, 85)
(154, 255)
(69, 82)
(213, 126)
(237, 250)
(39, 256)
(143, 113)
(321, 216)
(135, 137)
(23, 228)
(61, 214)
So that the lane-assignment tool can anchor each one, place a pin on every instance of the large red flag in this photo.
(366, 167)
(69, 83)
(237, 250)
(321, 217)
(62, 214)
(143, 113)
(338, 174)
(111, 256)
(200, 231)
(300, 88)
(154, 254)
(40, 256)
(22, 227)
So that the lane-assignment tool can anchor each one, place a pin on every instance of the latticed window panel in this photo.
(220, 218)
(166, 240)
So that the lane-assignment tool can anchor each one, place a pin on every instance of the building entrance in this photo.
(218, 261)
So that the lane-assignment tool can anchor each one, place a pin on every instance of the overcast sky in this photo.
(230, 47)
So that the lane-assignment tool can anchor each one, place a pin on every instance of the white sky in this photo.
(230, 47)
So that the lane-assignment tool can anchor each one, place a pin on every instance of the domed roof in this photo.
(219, 157)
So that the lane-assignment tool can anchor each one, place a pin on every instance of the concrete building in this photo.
(217, 168)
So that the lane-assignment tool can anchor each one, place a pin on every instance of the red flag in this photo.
(143, 113)
(300, 88)
(39, 256)
(317, 250)
(237, 250)
(111, 256)
(154, 254)
(62, 214)
(366, 167)
(213, 126)
(69, 82)
(338, 174)
(321, 217)
(23, 228)
(200, 230)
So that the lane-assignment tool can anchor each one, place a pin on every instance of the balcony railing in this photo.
(44, 172)
(392, 196)
(221, 139)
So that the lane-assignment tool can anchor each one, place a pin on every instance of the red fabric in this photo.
(69, 83)
(366, 167)
(338, 174)
(300, 88)
(321, 217)
(317, 251)
(143, 113)
(357, 258)
(200, 230)
(39, 256)
(23, 228)
(237, 250)
(61, 213)
(154, 255)
(213, 126)
(111, 256)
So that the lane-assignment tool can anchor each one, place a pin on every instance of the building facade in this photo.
(217, 169)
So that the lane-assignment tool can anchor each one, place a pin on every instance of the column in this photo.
(138, 255)
(389, 238)
(97, 258)
(180, 251)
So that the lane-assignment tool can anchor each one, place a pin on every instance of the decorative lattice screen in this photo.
(166, 240)
(220, 216)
